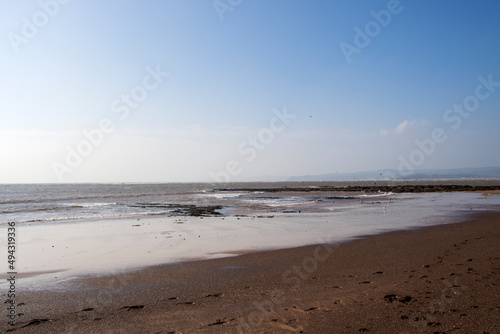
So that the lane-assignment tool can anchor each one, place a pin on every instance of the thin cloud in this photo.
(403, 126)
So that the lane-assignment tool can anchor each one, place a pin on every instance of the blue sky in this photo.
(232, 65)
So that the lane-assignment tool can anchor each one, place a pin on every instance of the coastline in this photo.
(438, 278)
(77, 248)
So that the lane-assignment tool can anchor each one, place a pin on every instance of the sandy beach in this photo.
(437, 279)
(231, 166)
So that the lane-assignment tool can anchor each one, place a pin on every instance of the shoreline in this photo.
(435, 278)
(98, 247)
(104, 246)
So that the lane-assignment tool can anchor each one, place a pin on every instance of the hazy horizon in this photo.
(420, 175)
(133, 92)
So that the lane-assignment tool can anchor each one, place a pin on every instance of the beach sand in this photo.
(437, 279)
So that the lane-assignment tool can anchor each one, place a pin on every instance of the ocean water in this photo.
(42, 203)
(61, 202)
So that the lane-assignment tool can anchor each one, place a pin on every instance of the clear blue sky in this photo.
(66, 66)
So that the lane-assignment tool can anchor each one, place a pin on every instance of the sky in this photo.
(240, 90)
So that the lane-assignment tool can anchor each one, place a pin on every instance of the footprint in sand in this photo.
(395, 298)
(134, 307)
(36, 322)
(215, 295)
(311, 309)
(185, 303)
(218, 322)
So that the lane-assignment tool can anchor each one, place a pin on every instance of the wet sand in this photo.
(436, 279)
(289, 220)
(30, 274)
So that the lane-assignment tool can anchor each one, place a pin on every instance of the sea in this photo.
(52, 203)
(39, 203)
